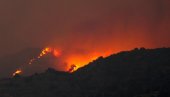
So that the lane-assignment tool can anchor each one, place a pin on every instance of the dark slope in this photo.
(127, 74)
(136, 73)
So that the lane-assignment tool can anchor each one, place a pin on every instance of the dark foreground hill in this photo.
(136, 73)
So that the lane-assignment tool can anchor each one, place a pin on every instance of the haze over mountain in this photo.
(82, 29)
(66, 35)
(84, 25)
(136, 73)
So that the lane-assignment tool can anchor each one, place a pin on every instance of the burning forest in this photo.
(70, 62)
(84, 48)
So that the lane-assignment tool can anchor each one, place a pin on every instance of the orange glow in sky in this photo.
(81, 60)
(56, 52)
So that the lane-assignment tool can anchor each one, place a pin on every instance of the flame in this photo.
(17, 72)
(77, 61)
(73, 61)
(45, 51)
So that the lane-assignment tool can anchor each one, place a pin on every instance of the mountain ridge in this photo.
(136, 73)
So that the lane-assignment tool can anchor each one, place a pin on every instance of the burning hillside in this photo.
(68, 62)
(136, 73)
(43, 53)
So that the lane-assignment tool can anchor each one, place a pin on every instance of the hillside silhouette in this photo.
(136, 73)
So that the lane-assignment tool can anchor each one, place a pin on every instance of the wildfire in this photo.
(45, 51)
(81, 60)
(73, 61)
(17, 72)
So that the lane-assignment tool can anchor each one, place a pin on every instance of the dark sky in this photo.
(93, 25)
(81, 29)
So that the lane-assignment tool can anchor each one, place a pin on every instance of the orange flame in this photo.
(74, 61)
(82, 60)
(17, 72)
(45, 51)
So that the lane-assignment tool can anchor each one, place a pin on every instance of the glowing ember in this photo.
(31, 61)
(17, 72)
(45, 51)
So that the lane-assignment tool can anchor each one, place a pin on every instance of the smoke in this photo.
(97, 22)
(86, 28)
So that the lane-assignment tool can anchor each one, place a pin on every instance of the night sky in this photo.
(84, 26)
